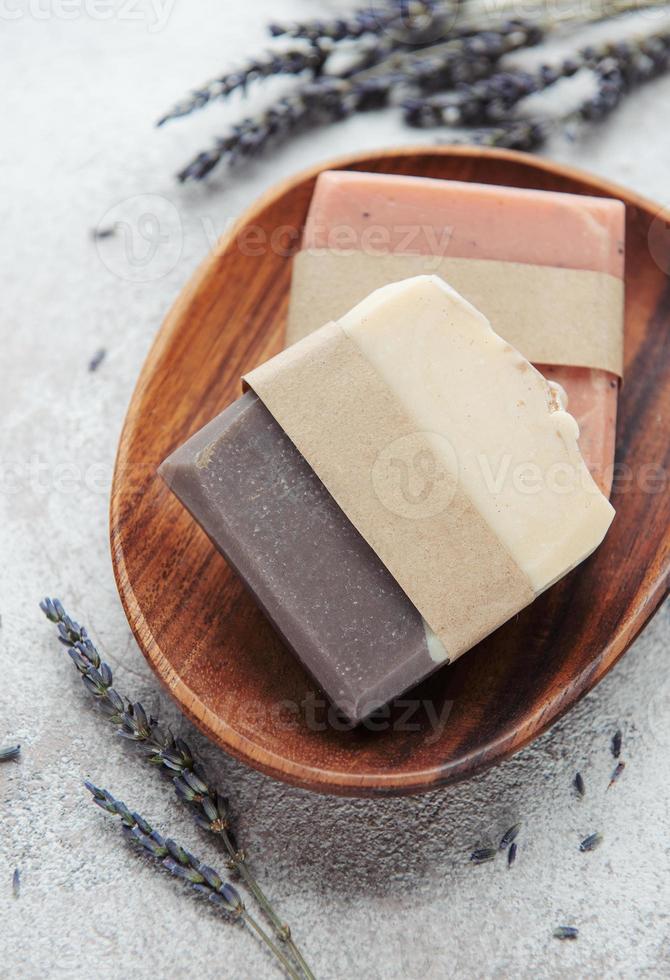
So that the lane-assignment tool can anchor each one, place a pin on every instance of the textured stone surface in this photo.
(375, 889)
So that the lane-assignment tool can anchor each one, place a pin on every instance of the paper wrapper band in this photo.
(555, 316)
(350, 427)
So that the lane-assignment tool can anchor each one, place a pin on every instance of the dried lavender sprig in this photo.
(408, 15)
(352, 27)
(185, 866)
(434, 66)
(616, 76)
(294, 61)
(627, 65)
(487, 100)
(491, 99)
(329, 98)
(250, 137)
(209, 807)
(385, 54)
(400, 16)
(453, 64)
(444, 14)
(518, 134)
(11, 752)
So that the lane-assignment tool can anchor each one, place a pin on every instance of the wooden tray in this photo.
(203, 634)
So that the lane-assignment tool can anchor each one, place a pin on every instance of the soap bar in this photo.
(378, 213)
(320, 584)
(282, 504)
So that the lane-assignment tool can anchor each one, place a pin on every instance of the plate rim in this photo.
(301, 774)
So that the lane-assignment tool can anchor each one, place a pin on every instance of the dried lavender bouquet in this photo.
(183, 865)
(445, 62)
(192, 786)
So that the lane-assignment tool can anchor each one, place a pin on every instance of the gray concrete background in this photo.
(374, 889)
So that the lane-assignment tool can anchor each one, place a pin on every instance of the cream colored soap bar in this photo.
(503, 432)
(447, 450)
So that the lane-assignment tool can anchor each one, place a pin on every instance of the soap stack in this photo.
(401, 480)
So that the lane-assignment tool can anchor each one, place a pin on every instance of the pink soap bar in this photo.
(418, 215)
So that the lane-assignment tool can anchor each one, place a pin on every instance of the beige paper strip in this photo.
(552, 316)
(346, 422)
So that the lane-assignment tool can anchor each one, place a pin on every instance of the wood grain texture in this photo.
(203, 634)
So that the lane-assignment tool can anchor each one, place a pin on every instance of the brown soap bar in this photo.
(319, 582)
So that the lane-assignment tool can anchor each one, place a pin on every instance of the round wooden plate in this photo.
(203, 634)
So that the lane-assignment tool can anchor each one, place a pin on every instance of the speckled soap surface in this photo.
(378, 888)
(316, 578)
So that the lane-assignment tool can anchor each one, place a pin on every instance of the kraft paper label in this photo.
(357, 437)
(552, 316)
